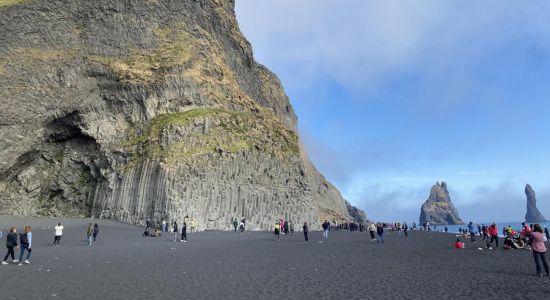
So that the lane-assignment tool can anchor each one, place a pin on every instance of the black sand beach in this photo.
(223, 265)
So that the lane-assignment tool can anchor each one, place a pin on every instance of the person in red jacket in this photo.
(493, 233)
(459, 244)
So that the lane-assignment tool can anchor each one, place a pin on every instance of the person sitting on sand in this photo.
(156, 233)
(459, 244)
(241, 226)
(539, 249)
(58, 233)
(11, 242)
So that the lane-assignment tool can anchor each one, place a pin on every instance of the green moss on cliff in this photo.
(143, 66)
(202, 131)
(11, 2)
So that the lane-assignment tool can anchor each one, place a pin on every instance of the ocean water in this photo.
(515, 225)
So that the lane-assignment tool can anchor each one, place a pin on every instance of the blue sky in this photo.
(393, 96)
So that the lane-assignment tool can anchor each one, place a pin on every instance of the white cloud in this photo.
(365, 43)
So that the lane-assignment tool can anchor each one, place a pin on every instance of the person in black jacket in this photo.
(96, 231)
(184, 232)
(326, 226)
(175, 231)
(25, 239)
(306, 231)
(11, 241)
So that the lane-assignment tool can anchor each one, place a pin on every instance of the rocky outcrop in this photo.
(533, 214)
(438, 209)
(136, 108)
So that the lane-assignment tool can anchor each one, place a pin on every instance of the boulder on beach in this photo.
(439, 209)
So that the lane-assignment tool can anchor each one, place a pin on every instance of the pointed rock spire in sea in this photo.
(439, 209)
(533, 215)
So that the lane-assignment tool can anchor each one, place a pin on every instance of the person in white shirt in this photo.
(58, 234)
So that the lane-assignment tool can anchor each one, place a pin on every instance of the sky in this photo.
(394, 96)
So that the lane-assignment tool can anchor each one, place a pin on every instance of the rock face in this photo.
(438, 209)
(140, 108)
(533, 214)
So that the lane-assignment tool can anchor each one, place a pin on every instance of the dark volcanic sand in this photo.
(223, 265)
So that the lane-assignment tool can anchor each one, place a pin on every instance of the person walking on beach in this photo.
(184, 232)
(25, 240)
(96, 231)
(306, 231)
(372, 230)
(90, 234)
(380, 232)
(405, 229)
(539, 249)
(11, 242)
(235, 224)
(471, 229)
(164, 225)
(58, 233)
(493, 233)
(277, 230)
(175, 228)
(325, 225)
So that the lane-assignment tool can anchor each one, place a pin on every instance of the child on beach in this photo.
(11, 242)
(459, 244)
(58, 233)
(25, 239)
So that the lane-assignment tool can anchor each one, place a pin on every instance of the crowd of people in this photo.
(528, 237)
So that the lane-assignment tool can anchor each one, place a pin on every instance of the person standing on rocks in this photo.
(96, 232)
(306, 231)
(326, 226)
(90, 234)
(58, 234)
(25, 239)
(184, 232)
(539, 249)
(11, 242)
(175, 228)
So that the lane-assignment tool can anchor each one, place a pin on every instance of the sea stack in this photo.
(533, 214)
(438, 209)
(148, 109)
